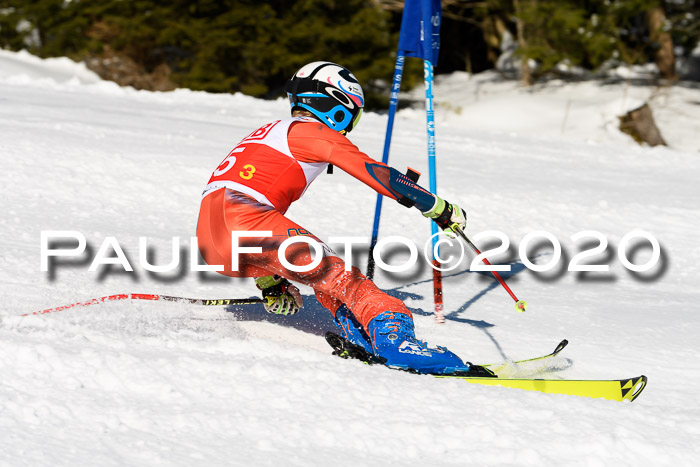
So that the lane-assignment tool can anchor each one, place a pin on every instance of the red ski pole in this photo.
(139, 296)
(520, 305)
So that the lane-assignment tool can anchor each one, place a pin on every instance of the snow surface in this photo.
(146, 383)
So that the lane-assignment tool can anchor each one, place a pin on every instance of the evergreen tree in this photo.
(250, 46)
(254, 46)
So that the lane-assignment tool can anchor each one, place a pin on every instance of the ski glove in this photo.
(280, 296)
(447, 216)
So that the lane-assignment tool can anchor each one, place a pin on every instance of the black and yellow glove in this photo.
(281, 297)
(447, 216)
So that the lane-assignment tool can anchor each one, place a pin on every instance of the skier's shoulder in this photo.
(309, 127)
(277, 130)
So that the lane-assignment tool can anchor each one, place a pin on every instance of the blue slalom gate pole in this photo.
(393, 104)
(430, 116)
(432, 171)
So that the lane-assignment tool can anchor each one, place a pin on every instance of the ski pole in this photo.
(520, 305)
(153, 297)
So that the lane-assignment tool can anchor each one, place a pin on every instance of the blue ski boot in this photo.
(393, 337)
(350, 329)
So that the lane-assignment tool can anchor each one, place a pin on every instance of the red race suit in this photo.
(253, 187)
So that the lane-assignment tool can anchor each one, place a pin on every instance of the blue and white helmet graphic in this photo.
(330, 92)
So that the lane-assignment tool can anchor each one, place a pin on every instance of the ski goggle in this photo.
(328, 110)
(322, 100)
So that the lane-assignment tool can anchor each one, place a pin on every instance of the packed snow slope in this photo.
(148, 383)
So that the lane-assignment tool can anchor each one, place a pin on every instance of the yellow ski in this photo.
(617, 390)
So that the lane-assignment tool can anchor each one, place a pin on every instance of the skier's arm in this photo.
(400, 185)
(314, 142)
(444, 214)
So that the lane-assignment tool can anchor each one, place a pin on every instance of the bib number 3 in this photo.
(247, 172)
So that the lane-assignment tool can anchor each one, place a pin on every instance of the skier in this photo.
(270, 169)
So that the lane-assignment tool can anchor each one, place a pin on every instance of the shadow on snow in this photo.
(315, 319)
